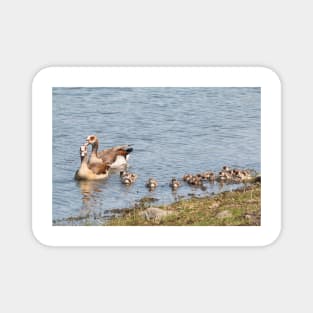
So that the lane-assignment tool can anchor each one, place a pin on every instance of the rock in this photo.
(248, 216)
(224, 214)
(154, 214)
(214, 205)
(255, 179)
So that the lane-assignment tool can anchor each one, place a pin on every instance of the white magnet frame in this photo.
(50, 235)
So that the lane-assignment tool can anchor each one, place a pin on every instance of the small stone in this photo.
(223, 214)
(155, 214)
(214, 205)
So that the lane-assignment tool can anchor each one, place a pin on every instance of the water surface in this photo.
(173, 131)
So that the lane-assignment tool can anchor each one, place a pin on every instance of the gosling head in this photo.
(123, 173)
(83, 150)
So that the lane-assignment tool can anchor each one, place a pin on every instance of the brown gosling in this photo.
(222, 175)
(133, 177)
(174, 183)
(196, 180)
(211, 177)
(242, 175)
(187, 177)
(192, 180)
(151, 183)
(206, 175)
(128, 178)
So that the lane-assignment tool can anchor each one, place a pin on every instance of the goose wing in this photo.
(110, 155)
(99, 168)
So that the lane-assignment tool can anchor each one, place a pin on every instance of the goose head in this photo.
(91, 139)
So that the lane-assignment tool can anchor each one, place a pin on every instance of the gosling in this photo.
(128, 178)
(151, 183)
(207, 175)
(174, 183)
(187, 177)
(196, 180)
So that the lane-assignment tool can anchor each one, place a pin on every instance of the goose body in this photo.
(117, 156)
(90, 171)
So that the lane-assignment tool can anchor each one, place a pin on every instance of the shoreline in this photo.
(240, 207)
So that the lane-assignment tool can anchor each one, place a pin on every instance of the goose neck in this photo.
(95, 146)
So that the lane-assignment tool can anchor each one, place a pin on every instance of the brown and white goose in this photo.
(117, 156)
(90, 171)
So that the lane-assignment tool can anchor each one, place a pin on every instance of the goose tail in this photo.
(129, 150)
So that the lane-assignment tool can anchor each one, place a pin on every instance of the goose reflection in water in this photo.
(91, 196)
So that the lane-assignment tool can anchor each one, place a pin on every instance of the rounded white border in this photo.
(51, 77)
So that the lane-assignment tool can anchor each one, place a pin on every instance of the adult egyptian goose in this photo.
(117, 156)
(90, 171)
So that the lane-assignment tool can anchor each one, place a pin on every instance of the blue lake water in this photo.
(173, 131)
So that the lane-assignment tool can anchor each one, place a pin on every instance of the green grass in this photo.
(230, 208)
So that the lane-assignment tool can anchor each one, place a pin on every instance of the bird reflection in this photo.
(90, 191)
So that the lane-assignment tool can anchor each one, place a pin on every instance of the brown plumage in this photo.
(174, 183)
(99, 168)
(193, 179)
(117, 156)
(187, 177)
(207, 175)
(151, 183)
(128, 178)
(196, 180)
(91, 171)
